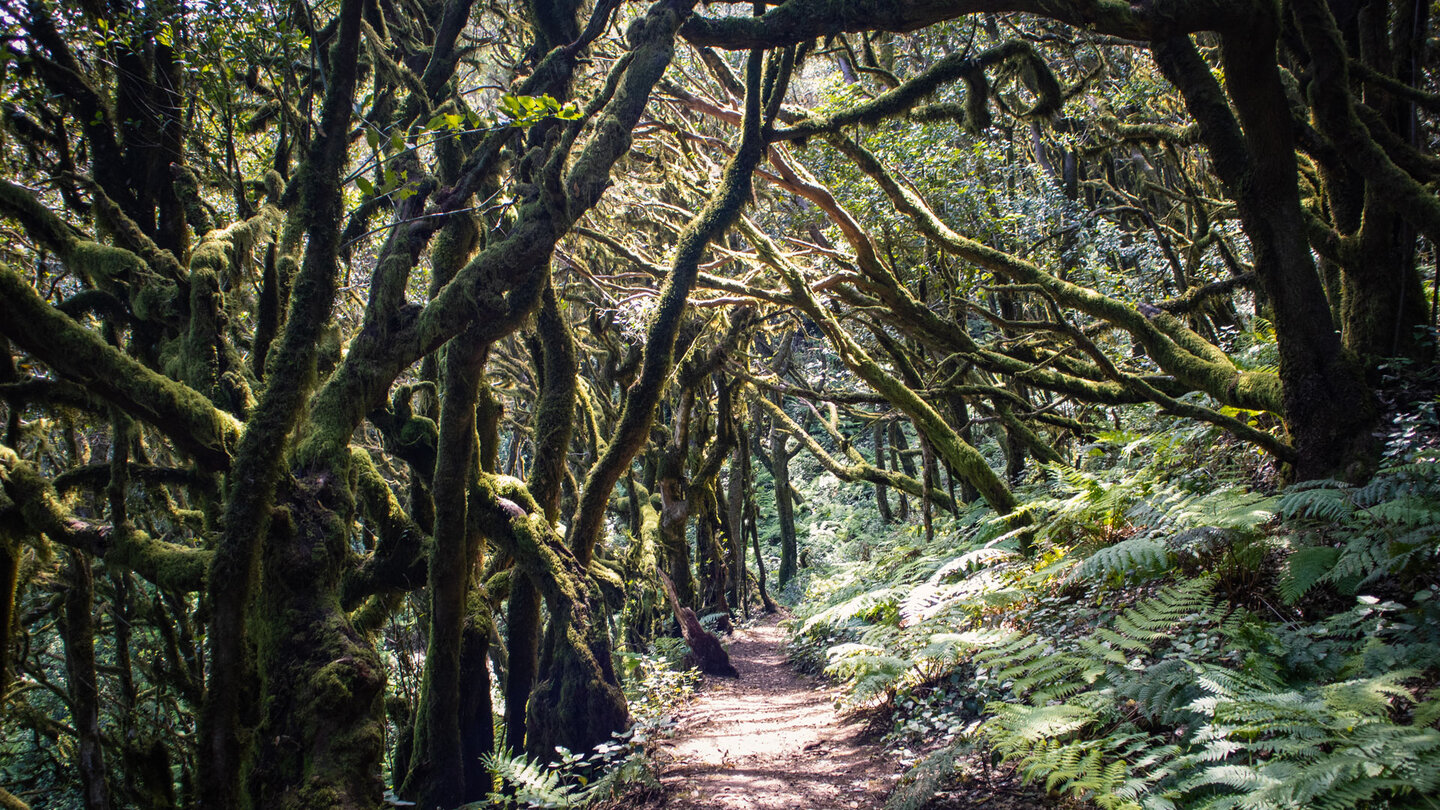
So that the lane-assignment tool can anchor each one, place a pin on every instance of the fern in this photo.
(923, 780)
(1306, 568)
(869, 671)
(1103, 673)
(1156, 617)
(1229, 508)
(1325, 500)
(532, 783)
(1140, 558)
(1019, 727)
(1332, 746)
(874, 605)
(1162, 692)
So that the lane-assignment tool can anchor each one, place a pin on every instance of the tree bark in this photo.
(1330, 412)
(83, 679)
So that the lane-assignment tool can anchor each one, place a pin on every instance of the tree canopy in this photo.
(353, 352)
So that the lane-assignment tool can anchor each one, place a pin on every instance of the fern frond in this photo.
(871, 605)
(1319, 500)
(1304, 569)
(533, 784)
(1139, 558)
(1015, 725)
(1229, 508)
(868, 670)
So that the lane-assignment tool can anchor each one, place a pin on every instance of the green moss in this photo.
(74, 352)
(105, 266)
(332, 687)
(10, 550)
(420, 431)
(156, 301)
(168, 565)
(187, 188)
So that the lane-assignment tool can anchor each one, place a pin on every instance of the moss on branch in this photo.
(1177, 349)
(857, 469)
(168, 565)
(185, 416)
(951, 68)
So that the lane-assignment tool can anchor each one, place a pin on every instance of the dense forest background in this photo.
(368, 366)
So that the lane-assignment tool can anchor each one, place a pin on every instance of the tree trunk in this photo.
(320, 738)
(752, 528)
(738, 486)
(477, 715)
(522, 640)
(1328, 409)
(674, 518)
(78, 632)
(710, 656)
(784, 504)
(713, 554)
(437, 763)
(882, 498)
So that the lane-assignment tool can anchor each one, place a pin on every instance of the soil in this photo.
(769, 740)
(772, 740)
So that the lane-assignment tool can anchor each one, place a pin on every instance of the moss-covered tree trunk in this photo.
(712, 550)
(477, 714)
(1328, 408)
(10, 555)
(522, 643)
(882, 492)
(779, 445)
(737, 486)
(78, 631)
(311, 737)
(675, 508)
(438, 768)
(319, 740)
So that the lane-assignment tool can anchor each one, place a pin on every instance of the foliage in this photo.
(1350, 537)
(531, 782)
(1118, 665)
(329, 331)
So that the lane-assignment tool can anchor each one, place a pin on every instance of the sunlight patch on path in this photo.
(770, 741)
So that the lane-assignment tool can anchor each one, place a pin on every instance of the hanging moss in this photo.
(187, 188)
(176, 410)
(168, 565)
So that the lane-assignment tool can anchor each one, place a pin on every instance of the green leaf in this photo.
(1306, 567)
(366, 187)
(511, 106)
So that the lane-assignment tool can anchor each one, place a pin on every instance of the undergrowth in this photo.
(655, 684)
(1171, 642)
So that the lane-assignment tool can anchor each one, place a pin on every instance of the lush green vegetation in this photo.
(366, 366)
(1177, 639)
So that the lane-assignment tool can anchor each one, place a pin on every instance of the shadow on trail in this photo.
(770, 740)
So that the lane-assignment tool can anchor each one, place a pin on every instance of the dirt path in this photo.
(769, 741)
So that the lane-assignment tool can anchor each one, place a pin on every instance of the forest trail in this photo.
(769, 740)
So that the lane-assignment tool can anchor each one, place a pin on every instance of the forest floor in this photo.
(772, 740)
